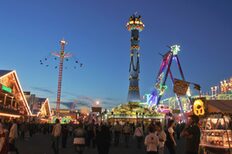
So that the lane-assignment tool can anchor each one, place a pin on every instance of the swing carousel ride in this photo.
(62, 56)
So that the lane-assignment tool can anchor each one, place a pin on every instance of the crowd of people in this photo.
(154, 137)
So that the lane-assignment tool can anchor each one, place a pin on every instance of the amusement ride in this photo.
(62, 56)
(165, 72)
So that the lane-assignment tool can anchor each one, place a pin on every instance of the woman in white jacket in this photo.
(152, 141)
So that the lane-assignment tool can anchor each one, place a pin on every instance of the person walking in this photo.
(79, 140)
(127, 132)
(12, 137)
(117, 133)
(170, 142)
(139, 135)
(64, 136)
(3, 140)
(91, 134)
(178, 131)
(103, 139)
(56, 132)
(192, 135)
(162, 137)
(151, 141)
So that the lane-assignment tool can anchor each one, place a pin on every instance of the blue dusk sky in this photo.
(96, 34)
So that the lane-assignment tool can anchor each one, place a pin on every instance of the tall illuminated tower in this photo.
(135, 25)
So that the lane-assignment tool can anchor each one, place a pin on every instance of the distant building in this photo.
(40, 107)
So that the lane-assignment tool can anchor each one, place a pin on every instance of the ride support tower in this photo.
(135, 25)
(61, 55)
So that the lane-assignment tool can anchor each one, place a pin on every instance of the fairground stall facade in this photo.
(40, 107)
(13, 103)
(216, 125)
(134, 113)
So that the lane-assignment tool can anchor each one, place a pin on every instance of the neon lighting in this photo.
(135, 23)
(226, 86)
(163, 109)
(165, 71)
(198, 107)
(7, 89)
(24, 98)
(175, 49)
(20, 89)
(61, 55)
(135, 47)
(153, 99)
(9, 115)
(148, 99)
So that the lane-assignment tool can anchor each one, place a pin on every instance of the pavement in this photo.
(41, 144)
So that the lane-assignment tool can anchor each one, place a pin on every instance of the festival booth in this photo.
(13, 103)
(41, 108)
(134, 113)
(66, 116)
(216, 134)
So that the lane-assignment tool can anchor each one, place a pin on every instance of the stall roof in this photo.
(224, 106)
(4, 72)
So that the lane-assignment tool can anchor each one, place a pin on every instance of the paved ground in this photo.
(41, 144)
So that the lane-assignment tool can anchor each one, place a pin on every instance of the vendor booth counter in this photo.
(216, 134)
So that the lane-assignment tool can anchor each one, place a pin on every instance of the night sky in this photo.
(96, 34)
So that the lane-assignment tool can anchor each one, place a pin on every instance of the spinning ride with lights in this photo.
(62, 55)
(164, 72)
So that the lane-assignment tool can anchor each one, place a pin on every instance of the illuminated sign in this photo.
(198, 107)
(6, 89)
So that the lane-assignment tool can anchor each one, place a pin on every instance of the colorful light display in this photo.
(175, 49)
(226, 86)
(7, 89)
(198, 107)
(134, 25)
(160, 85)
(165, 71)
(9, 115)
(16, 99)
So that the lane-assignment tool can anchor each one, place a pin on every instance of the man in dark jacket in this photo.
(103, 139)
(192, 134)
